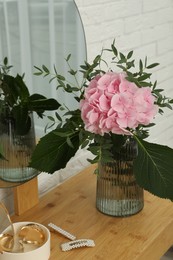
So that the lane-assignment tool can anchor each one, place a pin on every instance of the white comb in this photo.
(61, 231)
(77, 244)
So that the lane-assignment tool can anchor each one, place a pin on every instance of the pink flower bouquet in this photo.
(112, 107)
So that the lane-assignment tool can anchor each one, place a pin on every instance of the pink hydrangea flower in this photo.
(113, 104)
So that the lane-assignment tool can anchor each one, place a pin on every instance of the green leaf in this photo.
(144, 76)
(123, 58)
(54, 67)
(38, 69)
(155, 84)
(5, 61)
(165, 105)
(146, 61)
(38, 102)
(38, 73)
(61, 83)
(48, 126)
(68, 57)
(45, 75)
(149, 125)
(159, 90)
(153, 168)
(129, 55)
(68, 88)
(74, 89)
(83, 67)
(45, 69)
(60, 77)
(152, 65)
(51, 118)
(114, 50)
(97, 59)
(145, 84)
(52, 152)
(72, 72)
(140, 66)
(58, 116)
(52, 79)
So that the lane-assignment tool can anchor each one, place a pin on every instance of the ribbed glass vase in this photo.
(17, 150)
(117, 193)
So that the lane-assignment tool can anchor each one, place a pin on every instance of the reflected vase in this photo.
(118, 193)
(16, 150)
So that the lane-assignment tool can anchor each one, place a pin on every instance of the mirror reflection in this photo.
(37, 32)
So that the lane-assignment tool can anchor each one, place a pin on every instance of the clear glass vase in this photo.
(17, 150)
(117, 193)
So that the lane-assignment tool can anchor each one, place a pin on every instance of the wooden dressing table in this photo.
(71, 205)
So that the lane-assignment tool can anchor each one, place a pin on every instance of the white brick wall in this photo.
(146, 26)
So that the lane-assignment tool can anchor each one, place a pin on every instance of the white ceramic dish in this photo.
(40, 253)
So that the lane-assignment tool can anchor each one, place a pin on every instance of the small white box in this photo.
(40, 253)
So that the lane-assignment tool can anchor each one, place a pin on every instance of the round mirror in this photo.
(37, 32)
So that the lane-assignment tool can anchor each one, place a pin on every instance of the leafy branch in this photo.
(17, 104)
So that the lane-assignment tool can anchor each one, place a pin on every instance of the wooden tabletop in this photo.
(144, 236)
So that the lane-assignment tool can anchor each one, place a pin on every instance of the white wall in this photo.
(146, 26)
